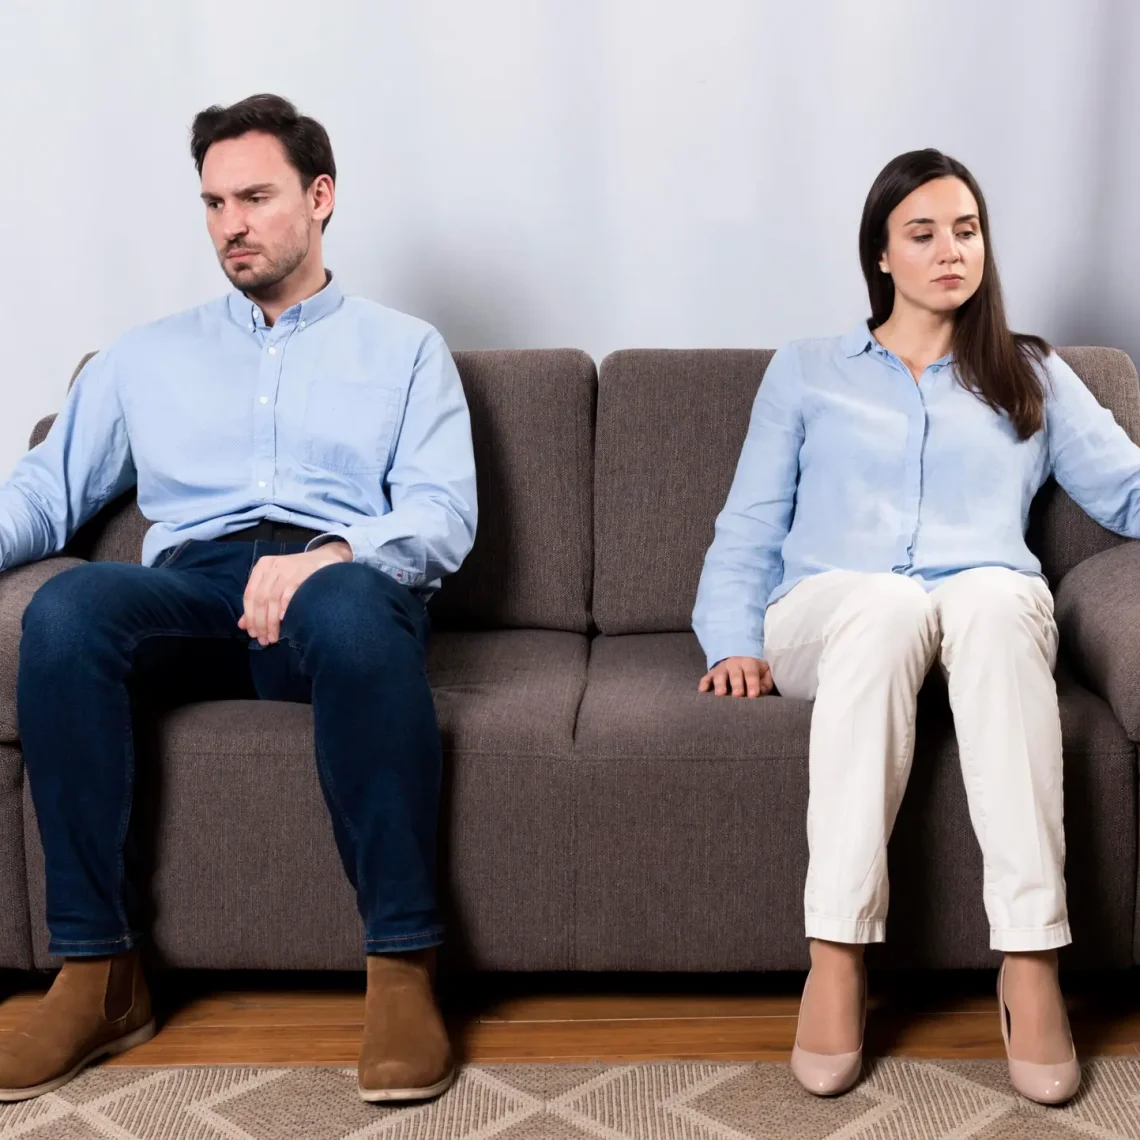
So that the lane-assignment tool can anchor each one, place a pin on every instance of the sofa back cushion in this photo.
(532, 424)
(671, 424)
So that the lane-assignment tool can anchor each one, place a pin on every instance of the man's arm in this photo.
(84, 463)
(431, 484)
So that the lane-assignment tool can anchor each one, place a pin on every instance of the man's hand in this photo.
(738, 677)
(274, 581)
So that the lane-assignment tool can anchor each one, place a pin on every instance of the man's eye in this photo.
(257, 197)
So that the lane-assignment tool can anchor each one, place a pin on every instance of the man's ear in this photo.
(322, 195)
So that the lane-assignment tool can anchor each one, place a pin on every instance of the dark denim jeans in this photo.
(352, 643)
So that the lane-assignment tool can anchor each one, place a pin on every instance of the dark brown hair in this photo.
(994, 363)
(305, 141)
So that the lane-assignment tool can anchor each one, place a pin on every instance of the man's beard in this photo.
(251, 281)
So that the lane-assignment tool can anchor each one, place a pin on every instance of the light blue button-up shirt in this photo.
(850, 465)
(343, 417)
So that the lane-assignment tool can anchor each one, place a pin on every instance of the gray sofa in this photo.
(599, 813)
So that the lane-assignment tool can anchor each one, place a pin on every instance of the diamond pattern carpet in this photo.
(899, 1100)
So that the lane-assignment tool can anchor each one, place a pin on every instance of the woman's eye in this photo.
(922, 237)
(967, 234)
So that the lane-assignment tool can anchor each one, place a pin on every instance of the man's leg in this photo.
(360, 640)
(82, 637)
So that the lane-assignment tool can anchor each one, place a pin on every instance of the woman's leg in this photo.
(999, 649)
(860, 645)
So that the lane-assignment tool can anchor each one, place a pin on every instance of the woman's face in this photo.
(935, 251)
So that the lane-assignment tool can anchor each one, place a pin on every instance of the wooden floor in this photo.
(212, 1019)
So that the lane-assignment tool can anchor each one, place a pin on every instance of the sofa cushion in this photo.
(15, 943)
(690, 815)
(671, 424)
(532, 426)
(246, 872)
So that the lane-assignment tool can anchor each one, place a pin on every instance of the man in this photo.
(306, 461)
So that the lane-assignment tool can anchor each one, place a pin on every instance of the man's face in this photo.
(259, 216)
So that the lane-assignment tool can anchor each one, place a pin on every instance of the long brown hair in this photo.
(992, 362)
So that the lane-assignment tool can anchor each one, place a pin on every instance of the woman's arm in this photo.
(742, 566)
(1090, 454)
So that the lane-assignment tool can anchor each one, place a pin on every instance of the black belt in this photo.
(266, 531)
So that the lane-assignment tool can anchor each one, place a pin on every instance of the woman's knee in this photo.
(887, 611)
(996, 604)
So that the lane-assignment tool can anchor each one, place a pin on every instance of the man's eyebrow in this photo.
(930, 221)
(244, 192)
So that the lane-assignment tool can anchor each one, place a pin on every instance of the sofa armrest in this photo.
(17, 586)
(1097, 606)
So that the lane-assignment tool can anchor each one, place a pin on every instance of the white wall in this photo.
(598, 173)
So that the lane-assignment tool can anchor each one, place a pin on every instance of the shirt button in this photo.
(272, 351)
(265, 399)
(302, 324)
(261, 483)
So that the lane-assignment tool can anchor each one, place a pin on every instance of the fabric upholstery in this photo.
(532, 424)
(17, 588)
(671, 424)
(670, 428)
(15, 944)
(690, 844)
(246, 873)
(1098, 613)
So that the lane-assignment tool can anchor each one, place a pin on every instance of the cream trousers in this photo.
(860, 645)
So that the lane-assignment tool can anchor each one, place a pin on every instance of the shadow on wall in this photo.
(474, 301)
(1099, 301)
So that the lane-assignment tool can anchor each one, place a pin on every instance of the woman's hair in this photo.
(994, 363)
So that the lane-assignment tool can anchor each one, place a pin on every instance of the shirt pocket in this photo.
(349, 426)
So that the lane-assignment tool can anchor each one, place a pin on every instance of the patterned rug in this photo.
(900, 1100)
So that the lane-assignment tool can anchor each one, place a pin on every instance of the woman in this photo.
(876, 524)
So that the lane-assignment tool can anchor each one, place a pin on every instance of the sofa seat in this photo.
(691, 845)
(246, 872)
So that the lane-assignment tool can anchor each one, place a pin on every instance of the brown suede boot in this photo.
(97, 1007)
(406, 1054)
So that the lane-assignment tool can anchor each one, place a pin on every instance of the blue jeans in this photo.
(98, 637)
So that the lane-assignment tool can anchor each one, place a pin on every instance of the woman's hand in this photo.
(738, 677)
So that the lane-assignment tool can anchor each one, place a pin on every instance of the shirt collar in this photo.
(860, 339)
(310, 310)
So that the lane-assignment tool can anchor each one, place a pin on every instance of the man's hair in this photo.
(305, 141)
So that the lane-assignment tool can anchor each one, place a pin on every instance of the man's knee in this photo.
(69, 608)
(350, 611)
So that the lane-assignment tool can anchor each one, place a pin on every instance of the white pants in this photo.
(860, 645)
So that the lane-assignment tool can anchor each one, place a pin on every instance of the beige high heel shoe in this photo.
(1046, 1084)
(828, 1074)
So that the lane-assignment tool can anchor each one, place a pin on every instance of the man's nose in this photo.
(233, 222)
